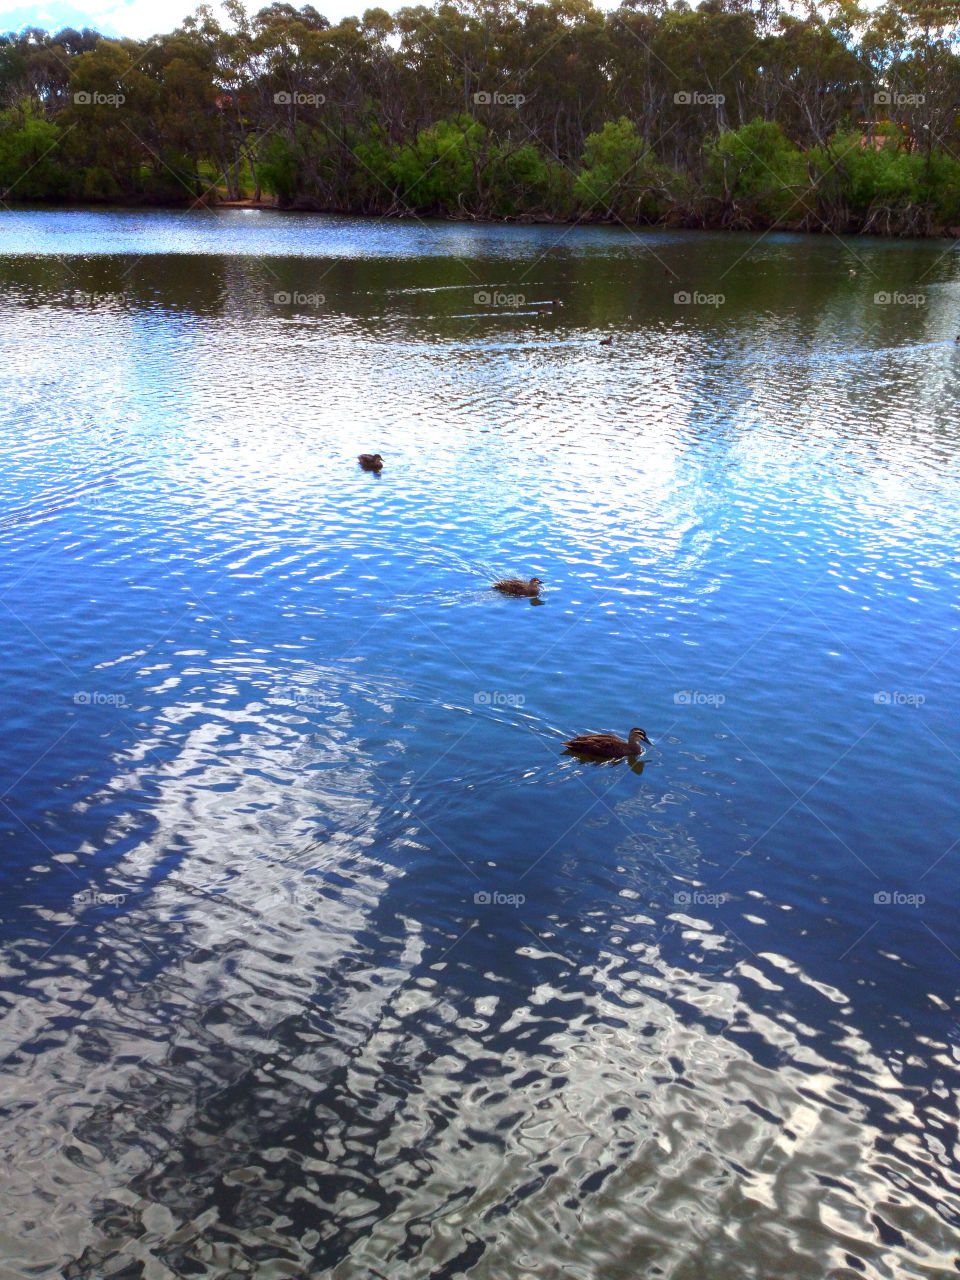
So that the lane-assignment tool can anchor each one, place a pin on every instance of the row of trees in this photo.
(726, 114)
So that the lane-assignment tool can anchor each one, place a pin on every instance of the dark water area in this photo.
(320, 957)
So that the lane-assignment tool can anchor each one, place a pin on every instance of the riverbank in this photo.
(679, 221)
(684, 118)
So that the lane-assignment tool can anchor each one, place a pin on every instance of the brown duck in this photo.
(370, 461)
(517, 587)
(607, 745)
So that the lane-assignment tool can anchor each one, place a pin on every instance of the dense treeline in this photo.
(727, 114)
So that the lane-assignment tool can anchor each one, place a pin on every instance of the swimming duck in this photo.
(517, 587)
(370, 461)
(606, 342)
(608, 745)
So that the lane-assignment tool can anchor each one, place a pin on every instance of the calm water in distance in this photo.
(319, 956)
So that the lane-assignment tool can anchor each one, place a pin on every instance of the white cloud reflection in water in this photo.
(299, 1044)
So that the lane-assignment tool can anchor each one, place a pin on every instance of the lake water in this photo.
(319, 955)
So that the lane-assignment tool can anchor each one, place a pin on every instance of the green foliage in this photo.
(523, 181)
(757, 174)
(890, 175)
(99, 185)
(30, 163)
(941, 188)
(437, 171)
(620, 176)
(458, 165)
(693, 110)
(893, 187)
(280, 168)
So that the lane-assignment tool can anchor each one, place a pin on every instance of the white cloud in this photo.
(140, 19)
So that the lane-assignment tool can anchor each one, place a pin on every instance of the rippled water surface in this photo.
(319, 956)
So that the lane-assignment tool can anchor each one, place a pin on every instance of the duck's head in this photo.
(535, 582)
(637, 736)
(377, 458)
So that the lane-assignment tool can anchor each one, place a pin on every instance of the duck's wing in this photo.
(596, 742)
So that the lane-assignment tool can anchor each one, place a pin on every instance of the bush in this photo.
(279, 169)
(620, 176)
(757, 174)
(30, 166)
(890, 190)
(437, 172)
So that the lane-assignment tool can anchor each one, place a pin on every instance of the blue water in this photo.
(366, 976)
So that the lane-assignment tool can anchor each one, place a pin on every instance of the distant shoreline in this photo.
(692, 116)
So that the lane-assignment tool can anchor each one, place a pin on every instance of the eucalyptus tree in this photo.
(813, 81)
(229, 50)
(114, 121)
(658, 109)
(922, 84)
(565, 74)
(641, 85)
(187, 121)
(36, 66)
